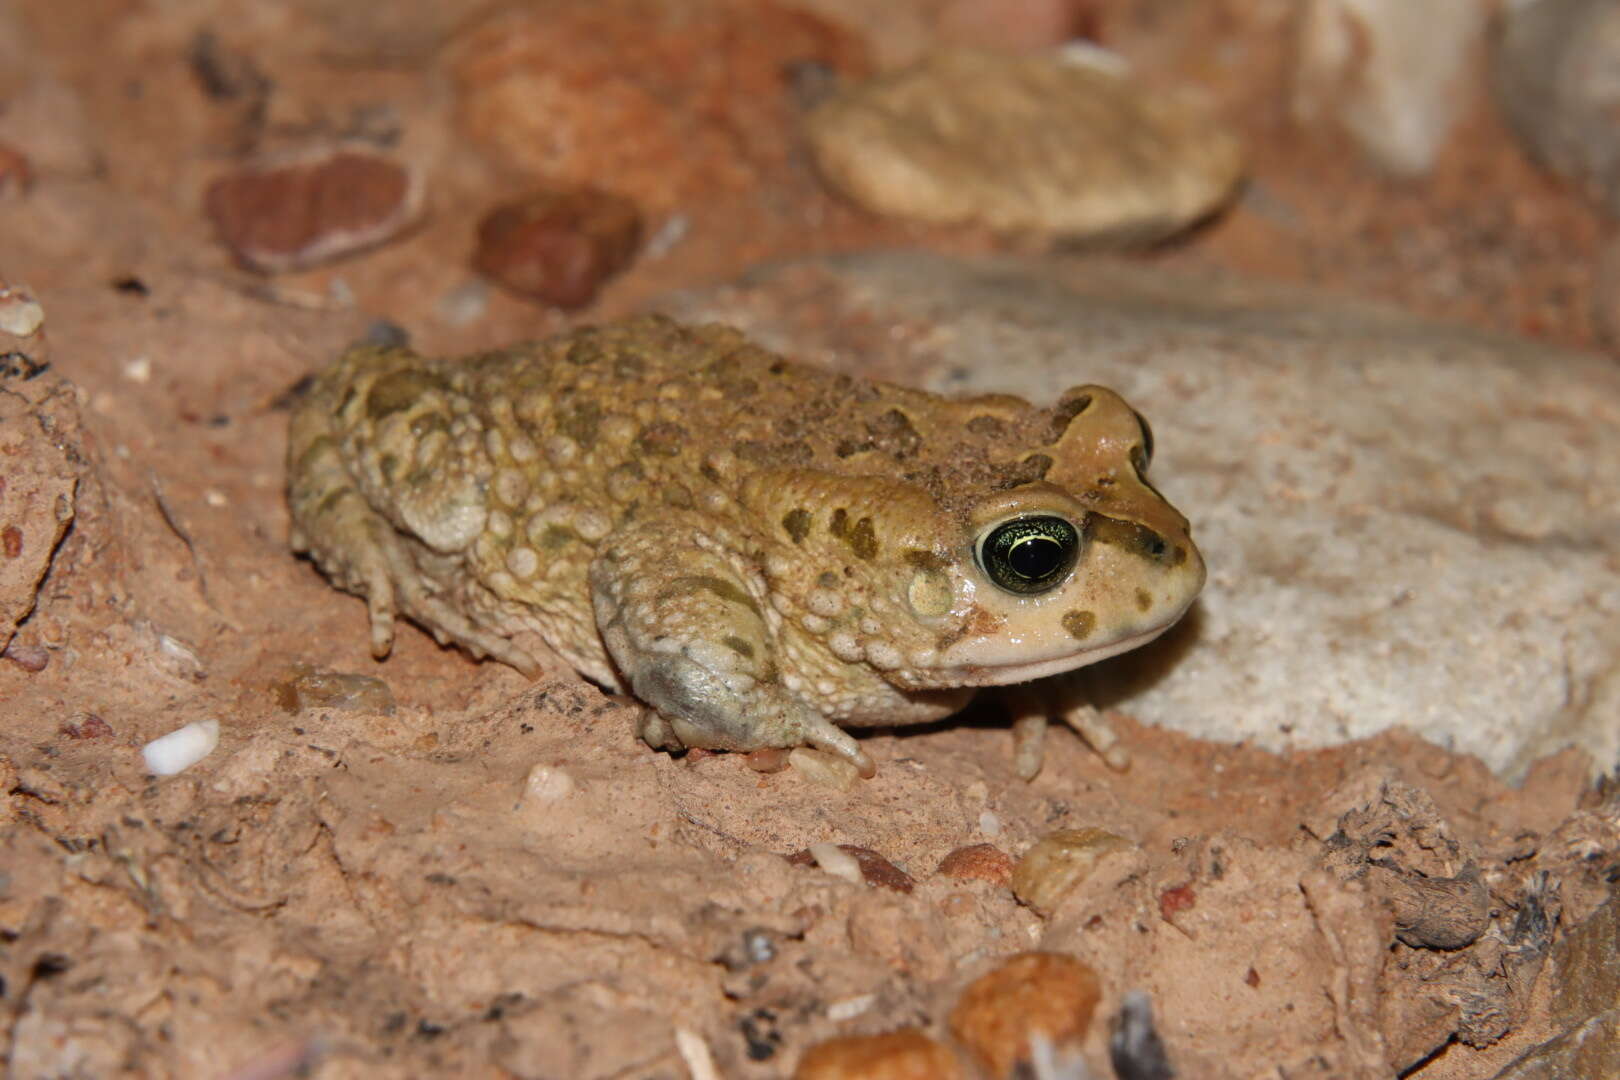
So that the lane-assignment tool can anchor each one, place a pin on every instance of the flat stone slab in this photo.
(1406, 523)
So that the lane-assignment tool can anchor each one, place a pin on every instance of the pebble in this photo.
(907, 1054)
(1050, 993)
(1024, 145)
(978, 862)
(1058, 862)
(319, 205)
(180, 749)
(558, 246)
(1553, 73)
(1419, 517)
(854, 863)
(1391, 74)
(579, 91)
(308, 688)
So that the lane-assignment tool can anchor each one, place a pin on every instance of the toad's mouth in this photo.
(968, 674)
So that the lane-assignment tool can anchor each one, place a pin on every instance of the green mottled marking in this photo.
(827, 580)
(663, 438)
(797, 524)
(839, 525)
(400, 390)
(557, 536)
(717, 586)
(580, 422)
(1079, 624)
(863, 540)
(738, 646)
(1144, 600)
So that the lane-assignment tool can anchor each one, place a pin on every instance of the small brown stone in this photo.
(559, 246)
(978, 862)
(27, 657)
(875, 869)
(1050, 993)
(899, 1055)
(321, 205)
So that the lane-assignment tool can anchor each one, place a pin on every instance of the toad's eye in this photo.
(1142, 455)
(1029, 555)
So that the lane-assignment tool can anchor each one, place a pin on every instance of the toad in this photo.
(764, 552)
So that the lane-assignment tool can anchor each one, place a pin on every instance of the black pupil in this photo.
(1034, 556)
(1030, 554)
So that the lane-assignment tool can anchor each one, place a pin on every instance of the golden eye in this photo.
(1029, 555)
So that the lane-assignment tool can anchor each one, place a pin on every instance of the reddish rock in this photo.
(875, 869)
(978, 862)
(295, 213)
(90, 727)
(908, 1054)
(1052, 993)
(559, 246)
(671, 104)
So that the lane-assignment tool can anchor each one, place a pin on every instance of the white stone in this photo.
(181, 749)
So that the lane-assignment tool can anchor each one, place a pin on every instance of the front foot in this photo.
(695, 706)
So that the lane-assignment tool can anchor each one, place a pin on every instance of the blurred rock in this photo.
(899, 1055)
(558, 246)
(978, 862)
(1557, 79)
(1392, 74)
(1058, 862)
(1000, 1011)
(323, 204)
(1407, 523)
(667, 104)
(1024, 145)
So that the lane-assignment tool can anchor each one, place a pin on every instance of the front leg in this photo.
(687, 623)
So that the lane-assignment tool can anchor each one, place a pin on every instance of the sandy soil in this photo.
(436, 867)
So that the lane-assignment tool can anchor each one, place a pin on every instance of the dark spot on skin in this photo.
(849, 447)
(827, 580)
(777, 367)
(987, 426)
(1137, 539)
(761, 452)
(924, 560)
(399, 390)
(863, 540)
(738, 646)
(716, 586)
(895, 435)
(1019, 473)
(663, 439)
(580, 422)
(710, 473)
(1066, 410)
(678, 496)
(557, 536)
(427, 424)
(585, 351)
(797, 524)
(839, 525)
(390, 466)
(1079, 624)
(1144, 600)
